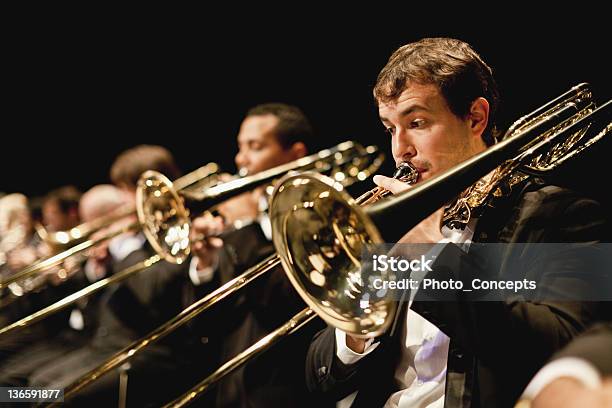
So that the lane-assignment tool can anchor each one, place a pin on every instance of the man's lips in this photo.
(421, 171)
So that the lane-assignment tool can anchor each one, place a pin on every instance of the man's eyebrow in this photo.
(407, 111)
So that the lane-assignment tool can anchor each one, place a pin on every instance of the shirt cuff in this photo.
(202, 276)
(348, 356)
(576, 368)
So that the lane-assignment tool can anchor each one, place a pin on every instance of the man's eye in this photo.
(389, 130)
(417, 123)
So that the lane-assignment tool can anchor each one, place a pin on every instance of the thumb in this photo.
(215, 242)
(391, 184)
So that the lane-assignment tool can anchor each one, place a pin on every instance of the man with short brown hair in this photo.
(437, 100)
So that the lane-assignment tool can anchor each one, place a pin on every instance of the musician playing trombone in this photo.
(130, 309)
(270, 135)
(437, 100)
(76, 326)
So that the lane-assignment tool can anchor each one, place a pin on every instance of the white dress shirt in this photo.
(119, 248)
(123, 245)
(421, 370)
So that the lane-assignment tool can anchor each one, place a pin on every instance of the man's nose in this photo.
(240, 159)
(403, 148)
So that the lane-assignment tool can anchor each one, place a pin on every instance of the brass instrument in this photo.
(405, 172)
(61, 240)
(75, 243)
(168, 213)
(57, 241)
(165, 214)
(166, 220)
(202, 177)
(306, 208)
(577, 102)
(320, 233)
(79, 239)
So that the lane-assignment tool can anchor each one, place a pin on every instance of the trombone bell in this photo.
(164, 218)
(320, 236)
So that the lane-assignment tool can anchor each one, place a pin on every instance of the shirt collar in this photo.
(125, 244)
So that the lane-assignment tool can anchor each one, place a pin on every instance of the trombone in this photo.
(59, 241)
(79, 238)
(165, 214)
(317, 224)
(166, 222)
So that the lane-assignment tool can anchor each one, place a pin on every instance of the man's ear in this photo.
(479, 116)
(298, 150)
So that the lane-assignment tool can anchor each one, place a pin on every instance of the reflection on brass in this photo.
(166, 223)
(532, 160)
(79, 239)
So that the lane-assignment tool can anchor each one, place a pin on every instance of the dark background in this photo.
(76, 97)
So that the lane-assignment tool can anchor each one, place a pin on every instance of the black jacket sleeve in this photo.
(519, 330)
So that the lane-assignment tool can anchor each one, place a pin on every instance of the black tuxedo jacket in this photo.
(276, 377)
(144, 301)
(127, 311)
(495, 347)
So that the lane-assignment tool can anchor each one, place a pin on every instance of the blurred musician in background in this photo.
(77, 324)
(19, 247)
(18, 242)
(60, 209)
(270, 135)
(129, 310)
